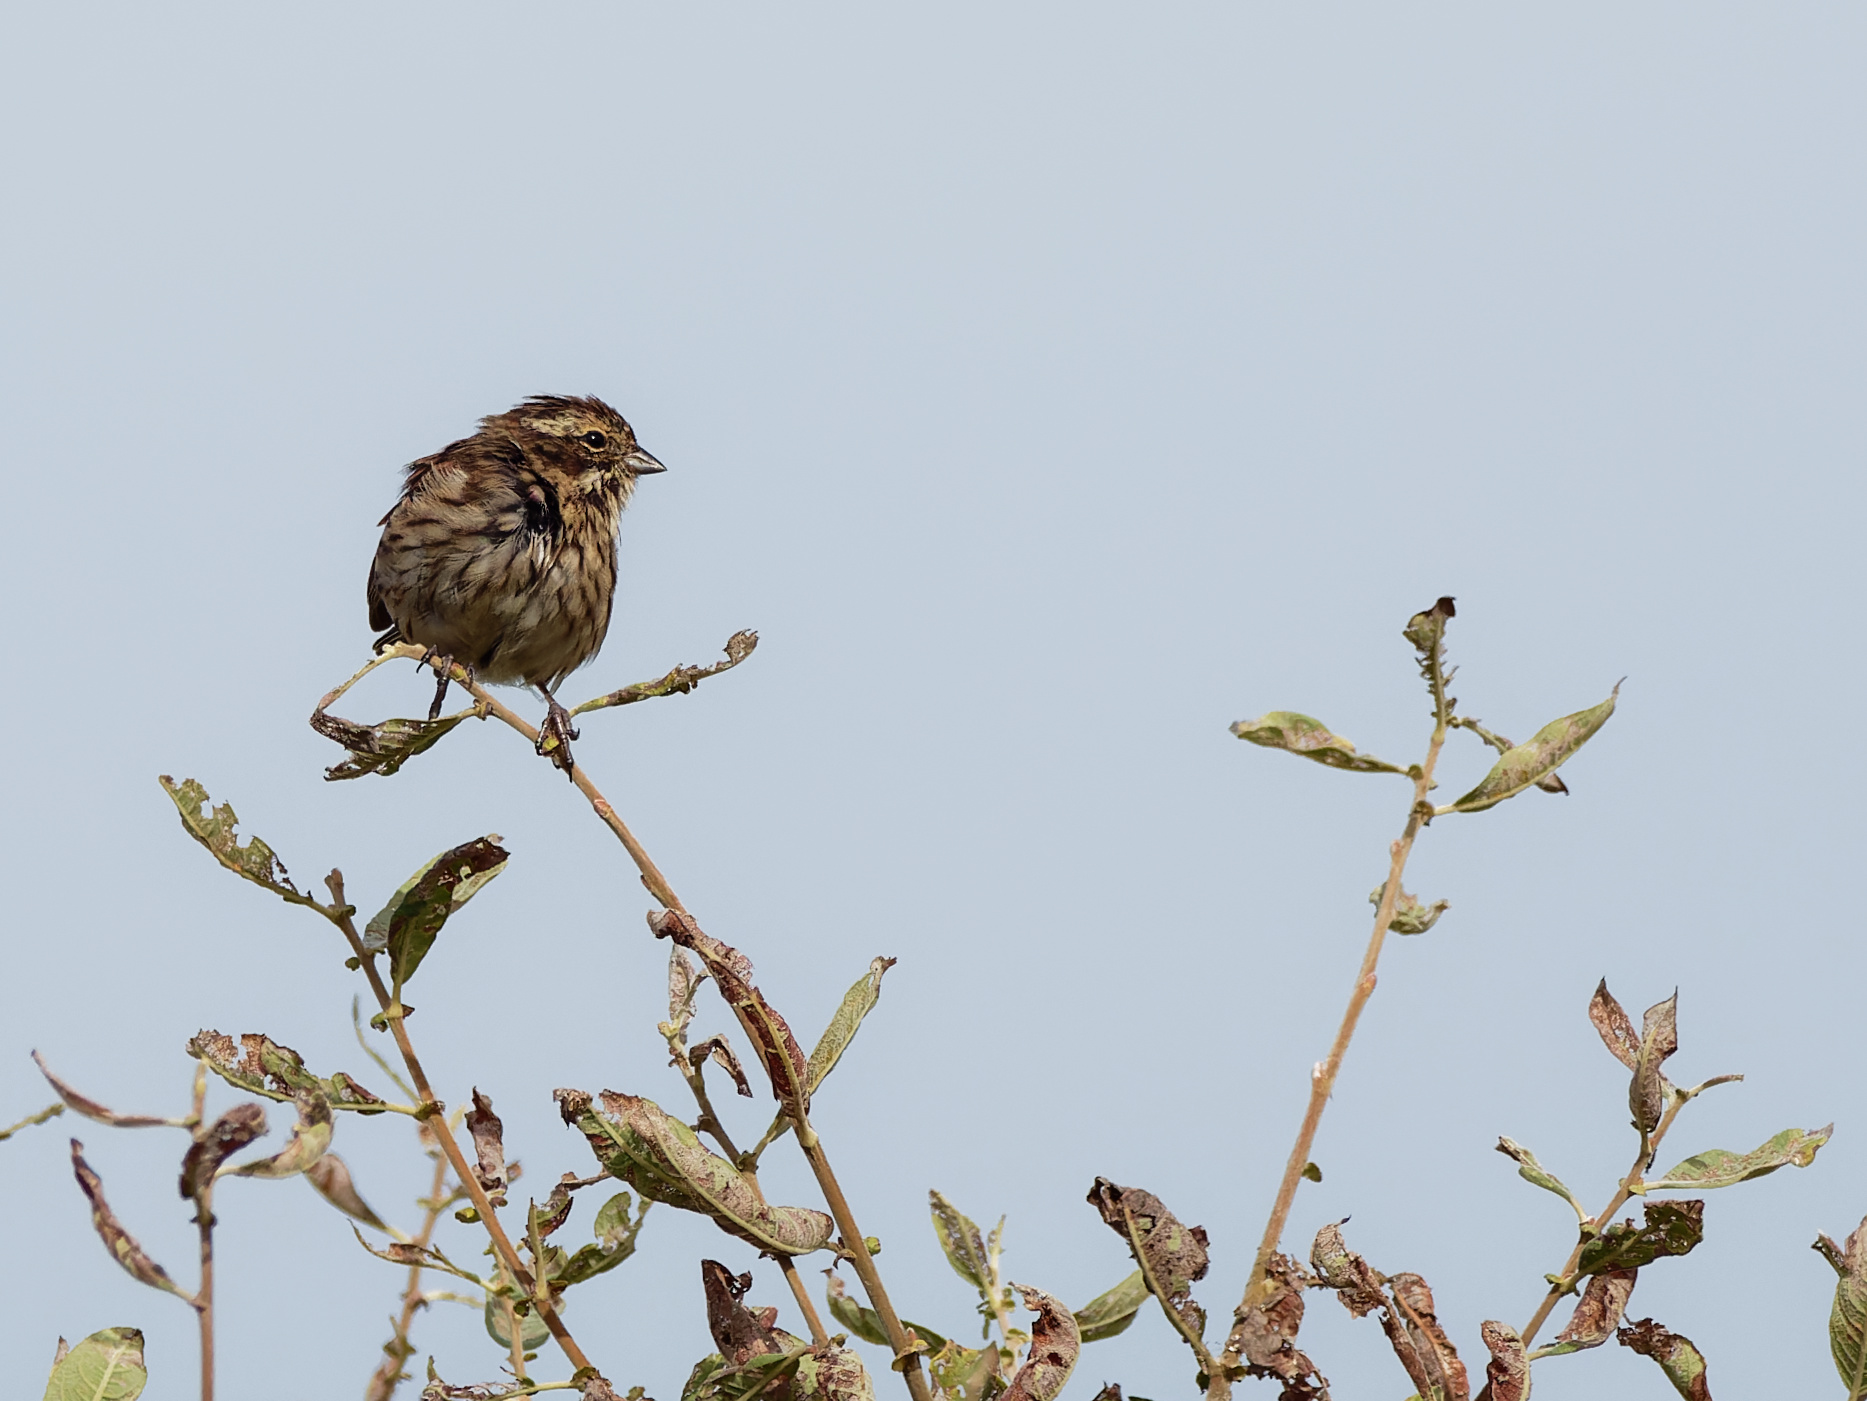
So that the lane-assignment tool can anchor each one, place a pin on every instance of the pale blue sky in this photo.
(1051, 386)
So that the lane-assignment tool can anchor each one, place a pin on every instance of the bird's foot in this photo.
(443, 668)
(555, 736)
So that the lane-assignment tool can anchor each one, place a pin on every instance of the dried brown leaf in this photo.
(740, 1333)
(1683, 1364)
(1659, 1038)
(1445, 1373)
(1615, 1027)
(1265, 1335)
(720, 1051)
(218, 1142)
(91, 1109)
(1598, 1312)
(1054, 1346)
(489, 1147)
(120, 1243)
(1507, 1374)
(1171, 1256)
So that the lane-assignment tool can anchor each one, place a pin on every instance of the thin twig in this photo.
(51, 1111)
(399, 1349)
(339, 913)
(1596, 1225)
(204, 1227)
(1323, 1076)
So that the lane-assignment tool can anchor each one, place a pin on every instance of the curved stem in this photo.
(340, 915)
(1596, 1225)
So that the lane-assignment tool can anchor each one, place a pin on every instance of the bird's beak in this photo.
(642, 463)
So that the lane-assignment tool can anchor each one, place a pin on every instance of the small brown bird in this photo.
(501, 554)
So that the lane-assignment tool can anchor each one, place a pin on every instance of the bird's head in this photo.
(595, 445)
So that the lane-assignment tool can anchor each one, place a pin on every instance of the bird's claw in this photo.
(554, 738)
(443, 672)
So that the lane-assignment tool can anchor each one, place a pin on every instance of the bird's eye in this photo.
(596, 440)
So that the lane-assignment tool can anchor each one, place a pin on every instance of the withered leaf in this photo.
(330, 1177)
(1265, 1334)
(1530, 1170)
(218, 1142)
(489, 1148)
(217, 830)
(1445, 1377)
(720, 1051)
(1171, 1256)
(782, 1057)
(1672, 1228)
(738, 1332)
(1507, 1374)
(683, 982)
(1847, 1321)
(1683, 1364)
(1308, 738)
(261, 1066)
(679, 681)
(311, 1135)
(1111, 1312)
(407, 926)
(662, 1159)
(119, 1242)
(429, 1257)
(1356, 1283)
(1659, 1038)
(1529, 764)
(1616, 1028)
(91, 1109)
(1718, 1168)
(1054, 1346)
(1597, 1314)
(865, 1323)
(382, 748)
(107, 1366)
(1427, 628)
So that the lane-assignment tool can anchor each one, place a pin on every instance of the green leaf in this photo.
(1528, 764)
(1683, 1364)
(1847, 1323)
(1718, 1168)
(662, 1159)
(408, 924)
(1410, 916)
(1530, 1170)
(380, 748)
(616, 1233)
(1427, 628)
(1672, 1228)
(259, 1065)
(1309, 738)
(714, 1379)
(533, 1333)
(1110, 1313)
(107, 1366)
(310, 1137)
(962, 1244)
(218, 832)
(966, 1374)
(865, 1323)
(857, 1003)
(831, 1374)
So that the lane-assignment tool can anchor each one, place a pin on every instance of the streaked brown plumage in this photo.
(501, 554)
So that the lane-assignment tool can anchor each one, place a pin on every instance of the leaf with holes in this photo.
(407, 926)
(217, 830)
